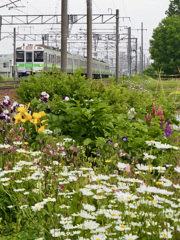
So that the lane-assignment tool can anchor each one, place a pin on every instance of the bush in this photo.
(52, 82)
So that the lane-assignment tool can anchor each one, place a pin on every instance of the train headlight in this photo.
(40, 65)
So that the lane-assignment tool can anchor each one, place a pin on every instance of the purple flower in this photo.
(124, 139)
(168, 131)
(98, 153)
(109, 141)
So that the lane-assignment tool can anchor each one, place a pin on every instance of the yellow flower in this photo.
(34, 121)
(21, 110)
(36, 115)
(41, 129)
(148, 197)
(18, 118)
(27, 117)
(108, 161)
(158, 183)
(42, 114)
(123, 226)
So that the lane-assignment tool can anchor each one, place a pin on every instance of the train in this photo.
(32, 59)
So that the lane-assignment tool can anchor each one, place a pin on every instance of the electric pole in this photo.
(129, 51)
(142, 49)
(136, 58)
(14, 45)
(64, 34)
(89, 39)
(117, 45)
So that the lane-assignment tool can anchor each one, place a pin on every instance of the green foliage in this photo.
(52, 82)
(83, 120)
(151, 72)
(174, 8)
(164, 46)
(1, 78)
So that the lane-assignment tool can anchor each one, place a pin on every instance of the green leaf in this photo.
(87, 141)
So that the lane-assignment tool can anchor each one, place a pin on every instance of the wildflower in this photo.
(146, 156)
(165, 234)
(65, 98)
(124, 139)
(168, 129)
(130, 237)
(109, 141)
(115, 145)
(99, 237)
(56, 233)
(90, 224)
(89, 207)
(122, 227)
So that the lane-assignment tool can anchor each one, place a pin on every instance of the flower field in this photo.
(89, 162)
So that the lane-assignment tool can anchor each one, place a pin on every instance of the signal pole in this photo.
(89, 39)
(64, 34)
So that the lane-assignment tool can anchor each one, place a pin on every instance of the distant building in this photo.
(6, 65)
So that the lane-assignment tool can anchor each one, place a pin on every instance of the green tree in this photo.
(174, 8)
(165, 45)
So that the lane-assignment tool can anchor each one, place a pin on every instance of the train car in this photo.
(36, 58)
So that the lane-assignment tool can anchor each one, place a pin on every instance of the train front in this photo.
(29, 60)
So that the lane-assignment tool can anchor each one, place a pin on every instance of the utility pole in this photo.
(89, 39)
(136, 56)
(142, 50)
(117, 45)
(14, 45)
(129, 51)
(64, 34)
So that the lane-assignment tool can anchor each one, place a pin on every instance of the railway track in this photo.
(8, 84)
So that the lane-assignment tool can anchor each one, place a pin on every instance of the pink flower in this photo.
(123, 154)
(61, 188)
(12, 131)
(72, 148)
(162, 118)
(116, 172)
(43, 149)
(21, 129)
(160, 112)
(9, 164)
(147, 118)
(127, 168)
(115, 144)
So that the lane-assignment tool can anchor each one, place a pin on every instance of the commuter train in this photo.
(36, 58)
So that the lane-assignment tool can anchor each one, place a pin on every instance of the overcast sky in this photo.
(150, 12)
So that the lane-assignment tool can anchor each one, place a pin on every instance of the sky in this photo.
(150, 12)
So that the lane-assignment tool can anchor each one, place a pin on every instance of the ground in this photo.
(7, 92)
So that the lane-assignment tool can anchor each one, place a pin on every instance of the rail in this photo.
(8, 84)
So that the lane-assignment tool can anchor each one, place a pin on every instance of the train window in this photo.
(19, 56)
(28, 56)
(38, 56)
(70, 61)
(76, 63)
(82, 64)
(58, 60)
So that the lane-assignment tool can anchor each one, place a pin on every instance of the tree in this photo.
(165, 45)
(174, 8)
